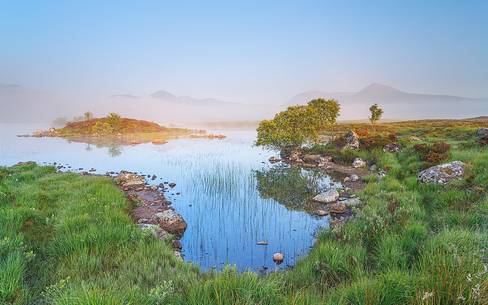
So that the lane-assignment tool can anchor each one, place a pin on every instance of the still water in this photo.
(229, 195)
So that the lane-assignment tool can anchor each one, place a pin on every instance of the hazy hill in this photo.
(399, 104)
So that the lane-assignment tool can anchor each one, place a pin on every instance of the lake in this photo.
(226, 190)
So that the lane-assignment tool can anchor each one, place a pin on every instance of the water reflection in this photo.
(226, 190)
(292, 186)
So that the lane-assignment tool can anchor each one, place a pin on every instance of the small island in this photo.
(114, 129)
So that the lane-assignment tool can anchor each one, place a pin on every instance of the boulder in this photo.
(316, 159)
(171, 221)
(352, 140)
(358, 162)
(321, 213)
(129, 180)
(338, 208)
(354, 178)
(443, 173)
(482, 133)
(327, 197)
(392, 148)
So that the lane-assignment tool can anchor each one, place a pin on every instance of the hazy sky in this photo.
(254, 51)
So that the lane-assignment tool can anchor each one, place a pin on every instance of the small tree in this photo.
(88, 115)
(376, 113)
(297, 125)
(114, 121)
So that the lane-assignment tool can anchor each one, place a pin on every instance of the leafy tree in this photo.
(114, 121)
(298, 125)
(88, 115)
(376, 113)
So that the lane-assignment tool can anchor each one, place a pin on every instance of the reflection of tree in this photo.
(114, 150)
(291, 186)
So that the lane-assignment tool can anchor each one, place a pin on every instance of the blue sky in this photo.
(248, 51)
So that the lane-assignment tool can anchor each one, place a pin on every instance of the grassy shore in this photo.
(68, 239)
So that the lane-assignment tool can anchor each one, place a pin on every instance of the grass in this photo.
(67, 239)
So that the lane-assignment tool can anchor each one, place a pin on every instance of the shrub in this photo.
(433, 154)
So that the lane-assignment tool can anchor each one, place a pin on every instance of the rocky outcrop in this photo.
(351, 140)
(482, 133)
(152, 212)
(442, 174)
(327, 197)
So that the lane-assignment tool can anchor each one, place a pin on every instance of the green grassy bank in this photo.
(68, 239)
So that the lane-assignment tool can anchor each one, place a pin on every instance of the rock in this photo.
(171, 221)
(295, 157)
(129, 180)
(338, 208)
(176, 244)
(327, 197)
(278, 257)
(347, 179)
(358, 162)
(482, 133)
(354, 178)
(321, 213)
(373, 167)
(381, 174)
(262, 243)
(153, 177)
(274, 159)
(392, 148)
(316, 159)
(352, 202)
(443, 173)
(172, 185)
(352, 140)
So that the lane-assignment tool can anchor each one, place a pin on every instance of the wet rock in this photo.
(171, 221)
(278, 257)
(262, 243)
(392, 148)
(172, 185)
(338, 208)
(352, 140)
(443, 173)
(274, 159)
(358, 162)
(321, 213)
(153, 177)
(327, 197)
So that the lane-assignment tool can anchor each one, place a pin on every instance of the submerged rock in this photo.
(278, 257)
(327, 197)
(443, 173)
(262, 243)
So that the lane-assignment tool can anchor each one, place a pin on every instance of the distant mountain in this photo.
(169, 97)
(398, 104)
